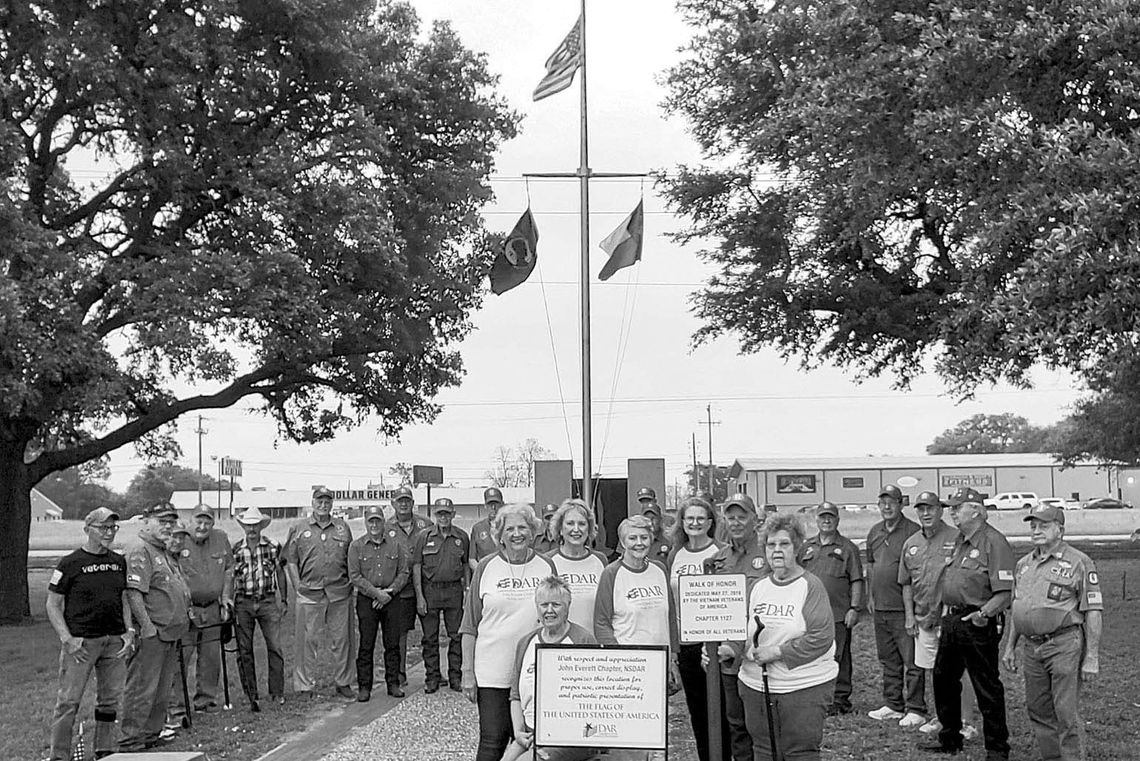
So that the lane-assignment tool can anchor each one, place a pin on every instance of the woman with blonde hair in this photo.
(579, 566)
(498, 611)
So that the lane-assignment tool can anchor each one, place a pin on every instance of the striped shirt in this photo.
(255, 570)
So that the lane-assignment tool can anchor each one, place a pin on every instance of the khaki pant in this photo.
(313, 614)
(148, 692)
(1052, 694)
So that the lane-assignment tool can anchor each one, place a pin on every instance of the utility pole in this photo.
(201, 432)
(710, 422)
(696, 472)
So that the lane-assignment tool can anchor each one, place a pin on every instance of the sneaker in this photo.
(345, 691)
(912, 720)
(969, 732)
(885, 713)
(932, 727)
(167, 734)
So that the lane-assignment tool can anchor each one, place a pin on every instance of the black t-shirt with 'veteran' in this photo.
(92, 587)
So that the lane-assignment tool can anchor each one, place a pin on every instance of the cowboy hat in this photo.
(252, 516)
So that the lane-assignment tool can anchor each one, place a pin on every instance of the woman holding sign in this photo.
(693, 545)
(553, 600)
(498, 611)
(788, 673)
(578, 565)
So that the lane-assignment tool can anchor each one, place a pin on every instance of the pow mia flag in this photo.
(516, 261)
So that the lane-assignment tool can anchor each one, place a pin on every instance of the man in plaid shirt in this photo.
(260, 599)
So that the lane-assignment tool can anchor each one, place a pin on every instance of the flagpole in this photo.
(584, 284)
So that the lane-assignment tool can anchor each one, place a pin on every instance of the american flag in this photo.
(79, 750)
(562, 64)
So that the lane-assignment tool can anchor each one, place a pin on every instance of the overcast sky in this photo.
(650, 386)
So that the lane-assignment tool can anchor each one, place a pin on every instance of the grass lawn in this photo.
(30, 658)
(1110, 706)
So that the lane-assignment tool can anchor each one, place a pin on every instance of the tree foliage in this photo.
(289, 213)
(514, 466)
(991, 434)
(890, 181)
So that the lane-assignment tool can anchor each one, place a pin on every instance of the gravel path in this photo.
(445, 727)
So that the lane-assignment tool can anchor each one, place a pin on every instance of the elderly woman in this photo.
(691, 537)
(634, 605)
(789, 656)
(498, 611)
(553, 600)
(579, 566)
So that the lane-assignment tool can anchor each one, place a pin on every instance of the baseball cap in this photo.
(443, 505)
(651, 507)
(100, 515)
(161, 510)
(827, 508)
(322, 491)
(928, 498)
(202, 510)
(741, 500)
(373, 511)
(645, 493)
(892, 491)
(1054, 513)
(403, 492)
(181, 528)
(963, 495)
(492, 496)
(549, 510)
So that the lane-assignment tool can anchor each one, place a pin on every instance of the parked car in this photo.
(1106, 503)
(1061, 502)
(1013, 500)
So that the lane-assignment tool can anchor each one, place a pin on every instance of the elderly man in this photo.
(404, 527)
(543, 541)
(378, 569)
(1057, 610)
(160, 602)
(742, 553)
(925, 554)
(261, 593)
(835, 560)
(659, 545)
(87, 606)
(207, 563)
(975, 589)
(482, 538)
(440, 573)
(316, 551)
(904, 684)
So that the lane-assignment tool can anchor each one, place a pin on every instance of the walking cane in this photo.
(223, 637)
(767, 695)
(185, 689)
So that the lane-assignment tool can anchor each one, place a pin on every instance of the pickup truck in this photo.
(1012, 500)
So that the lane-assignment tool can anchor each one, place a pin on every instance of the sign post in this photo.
(427, 474)
(232, 468)
(713, 608)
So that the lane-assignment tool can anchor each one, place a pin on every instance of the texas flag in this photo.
(624, 244)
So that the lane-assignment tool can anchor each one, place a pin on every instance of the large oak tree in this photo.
(893, 181)
(286, 211)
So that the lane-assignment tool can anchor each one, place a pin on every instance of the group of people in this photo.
(938, 595)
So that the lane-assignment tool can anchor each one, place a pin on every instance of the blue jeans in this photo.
(110, 674)
(896, 656)
(250, 613)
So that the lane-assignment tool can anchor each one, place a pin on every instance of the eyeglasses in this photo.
(105, 528)
(696, 519)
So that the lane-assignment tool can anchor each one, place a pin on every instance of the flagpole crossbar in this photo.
(589, 174)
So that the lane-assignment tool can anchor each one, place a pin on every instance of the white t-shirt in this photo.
(633, 607)
(499, 610)
(522, 681)
(686, 562)
(582, 576)
(797, 617)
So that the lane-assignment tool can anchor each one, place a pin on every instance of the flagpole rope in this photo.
(624, 333)
(554, 354)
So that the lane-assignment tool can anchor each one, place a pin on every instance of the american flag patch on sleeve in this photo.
(1004, 575)
(56, 577)
(1095, 598)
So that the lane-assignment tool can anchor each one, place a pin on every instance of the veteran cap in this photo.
(1054, 513)
(827, 508)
